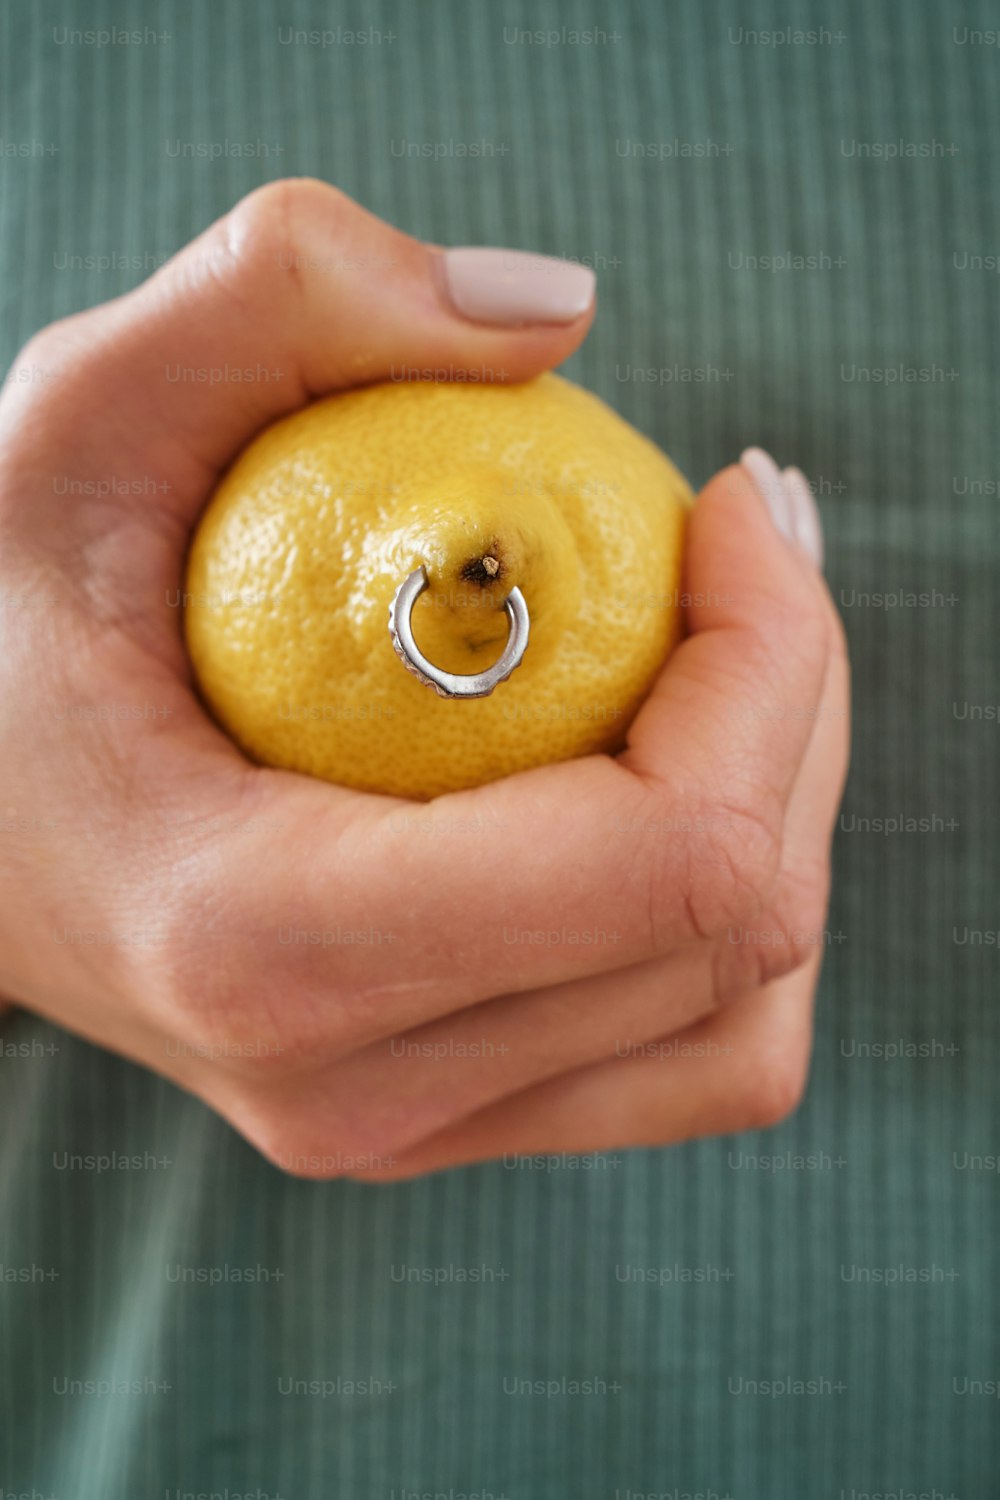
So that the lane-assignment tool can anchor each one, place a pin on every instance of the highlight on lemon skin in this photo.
(538, 487)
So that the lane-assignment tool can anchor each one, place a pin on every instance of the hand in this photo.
(154, 884)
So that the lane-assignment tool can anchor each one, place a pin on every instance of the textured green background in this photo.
(893, 465)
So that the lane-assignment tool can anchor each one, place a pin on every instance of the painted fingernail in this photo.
(513, 287)
(767, 480)
(805, 514)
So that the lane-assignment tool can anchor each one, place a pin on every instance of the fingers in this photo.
(792, 924)
(398, 1090)
(742, 1070)
(483, 1062)
(671, 842)
(702, 806)
(564, 872)
(759, 639)
(296, 292)
(391, 1095)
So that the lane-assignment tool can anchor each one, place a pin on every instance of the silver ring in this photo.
(454, 684)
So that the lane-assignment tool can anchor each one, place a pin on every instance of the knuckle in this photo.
(58, 337)
(775, 1090)
(780, 940)
(283, 1142)
(731, 869)
(42, 347)
(746, 960)
(304, 1144)
(277, 201)
(266, 232)
(43, 360)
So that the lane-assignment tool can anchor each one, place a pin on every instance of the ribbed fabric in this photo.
(897, 465)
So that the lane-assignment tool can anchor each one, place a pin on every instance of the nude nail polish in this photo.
(512, 288)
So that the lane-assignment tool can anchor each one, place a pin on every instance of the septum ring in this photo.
(454, 684)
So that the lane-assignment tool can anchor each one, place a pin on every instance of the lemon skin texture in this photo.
(301, 548)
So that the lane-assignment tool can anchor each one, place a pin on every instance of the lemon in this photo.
(301, 549)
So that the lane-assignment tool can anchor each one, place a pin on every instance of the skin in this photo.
(716, 820)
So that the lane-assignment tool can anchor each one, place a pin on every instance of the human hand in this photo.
(151, 870)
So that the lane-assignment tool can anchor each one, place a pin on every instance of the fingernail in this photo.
(767, 480)
(805, 514)
(511, 287)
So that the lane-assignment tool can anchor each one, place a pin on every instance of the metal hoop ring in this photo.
(454, 684)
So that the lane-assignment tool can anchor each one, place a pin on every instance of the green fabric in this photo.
(908, 477)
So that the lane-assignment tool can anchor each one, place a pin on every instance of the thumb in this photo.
(297, 292)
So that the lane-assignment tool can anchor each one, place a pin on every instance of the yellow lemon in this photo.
(538, 487)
